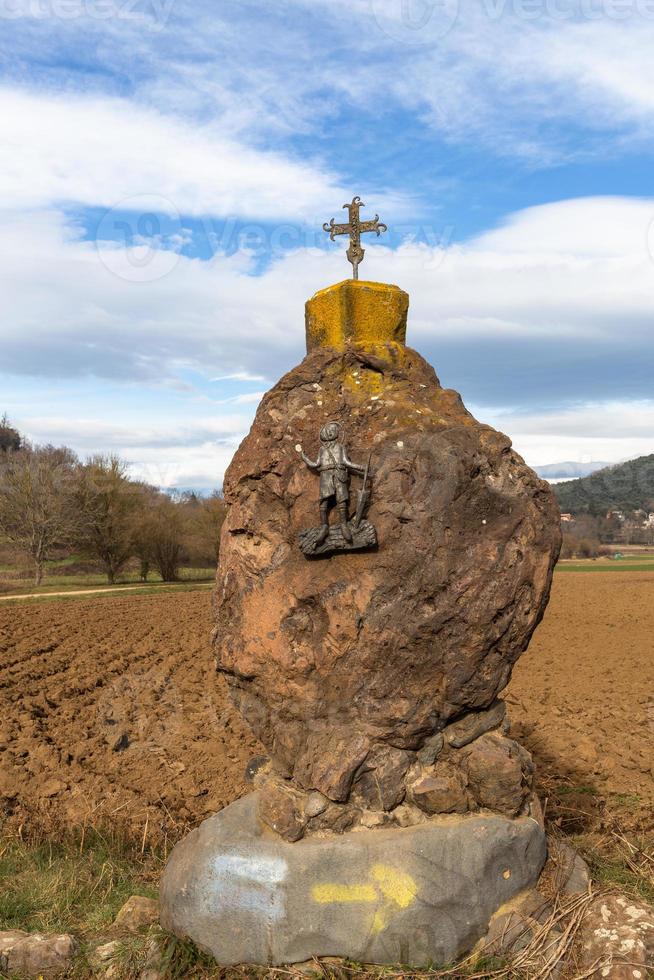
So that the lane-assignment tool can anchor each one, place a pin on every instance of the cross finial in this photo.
(355, 228)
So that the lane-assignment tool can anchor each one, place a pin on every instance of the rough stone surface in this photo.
(359, 312)
(419, 895)
(34, 954)
(105, 959)
(137, 913)
(431, 749)
(471, 726)
(499, 772)
(330, 659)
(571, 873)
(440, 791)
(316, 804)
(617, 938)
(281, 807)
(380, 782)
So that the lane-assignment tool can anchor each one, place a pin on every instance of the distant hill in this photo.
(627, 486)
(568, 470)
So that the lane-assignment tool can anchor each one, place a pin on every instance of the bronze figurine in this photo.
(334, 466)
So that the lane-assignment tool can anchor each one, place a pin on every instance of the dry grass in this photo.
(76, 884)
(79, 883)
(613, 832)
(56, 879)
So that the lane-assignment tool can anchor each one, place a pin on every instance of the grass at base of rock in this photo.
(73, 885)
(613, 832)
(77, 883)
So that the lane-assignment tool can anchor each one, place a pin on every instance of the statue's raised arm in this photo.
(311, 463)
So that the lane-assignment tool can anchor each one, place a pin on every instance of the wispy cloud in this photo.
(612, 429)
(239, 376)
(290, 73)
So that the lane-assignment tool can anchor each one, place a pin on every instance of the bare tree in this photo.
(204, 518)
(163, 528)
(108, 505)
(142, 533)
(36, 502)
(10, 438)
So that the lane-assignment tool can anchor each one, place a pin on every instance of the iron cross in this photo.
(354, 228)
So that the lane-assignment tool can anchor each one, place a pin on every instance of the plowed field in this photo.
(110, 708)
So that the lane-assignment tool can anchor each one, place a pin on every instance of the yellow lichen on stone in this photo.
(356, 312)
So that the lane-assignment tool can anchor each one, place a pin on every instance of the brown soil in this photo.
(78, 679)
(110, 709)
(582, 697)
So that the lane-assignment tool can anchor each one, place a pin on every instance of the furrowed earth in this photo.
(111, 710)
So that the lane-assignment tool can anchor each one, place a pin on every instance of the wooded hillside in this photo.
(626, 487)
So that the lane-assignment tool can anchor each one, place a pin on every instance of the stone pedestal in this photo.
(356, 313)
(420, 895)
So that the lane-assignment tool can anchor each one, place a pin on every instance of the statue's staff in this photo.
(364, 495)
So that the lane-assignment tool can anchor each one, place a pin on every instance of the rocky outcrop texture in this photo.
(349, 666)
(394, 788)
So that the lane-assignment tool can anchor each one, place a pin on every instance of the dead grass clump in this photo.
(613, 832)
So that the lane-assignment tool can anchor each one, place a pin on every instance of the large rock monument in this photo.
(384, 563)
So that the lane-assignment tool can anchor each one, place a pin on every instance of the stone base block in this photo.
(418, 895)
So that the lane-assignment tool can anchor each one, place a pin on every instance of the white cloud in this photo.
(524, 76)
(527, 78)
(99, 151)
(574, 270)
(552, 307)
(608, 430)
(239, 376)
(163, 453)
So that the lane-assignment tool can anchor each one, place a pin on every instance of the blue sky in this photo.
(166, 166)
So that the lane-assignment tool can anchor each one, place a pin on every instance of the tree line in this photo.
(51, 501)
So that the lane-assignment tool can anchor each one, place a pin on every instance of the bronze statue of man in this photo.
(334, 467)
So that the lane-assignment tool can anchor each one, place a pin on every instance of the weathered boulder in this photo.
(421, 895)
(332, 659)
(440, 791)
(35, 954)
(477, 723)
